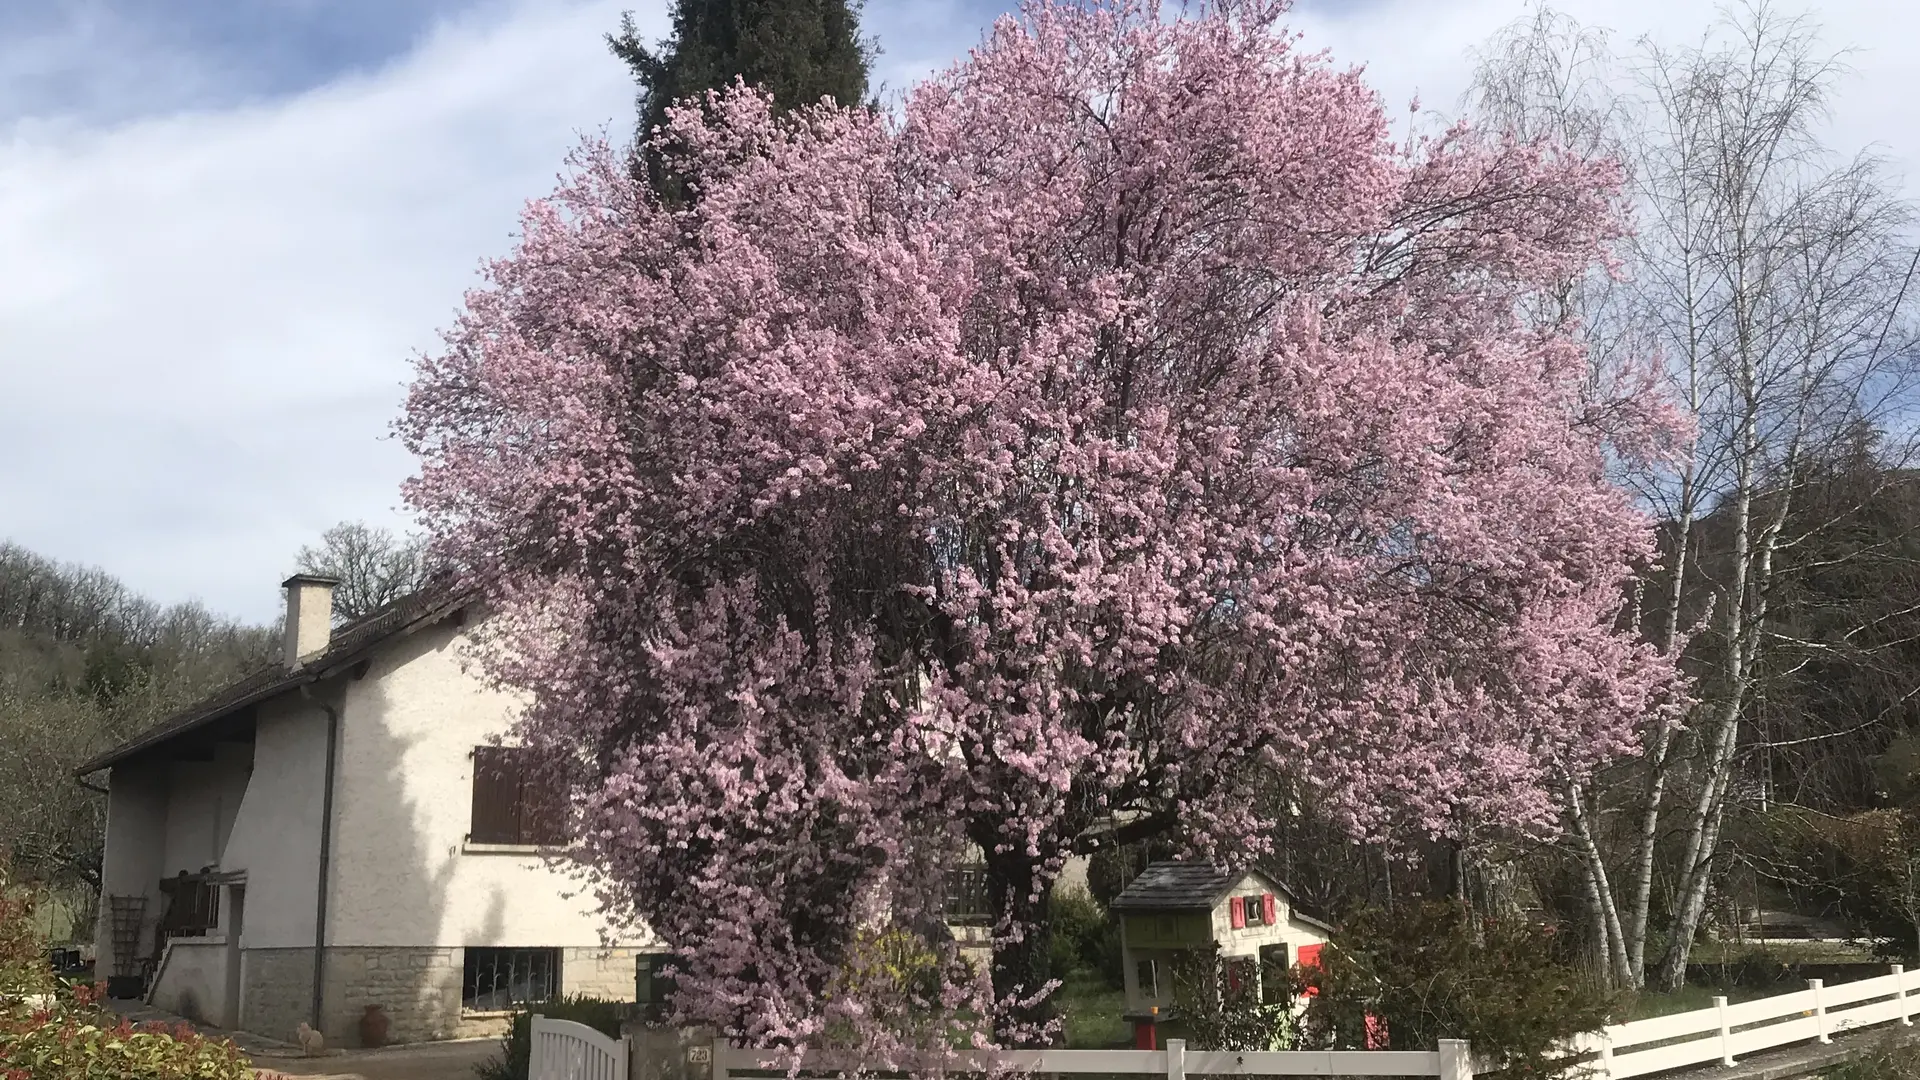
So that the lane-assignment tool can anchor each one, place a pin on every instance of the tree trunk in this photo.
(1600, 890)
(1660, 742)
(1020, 968)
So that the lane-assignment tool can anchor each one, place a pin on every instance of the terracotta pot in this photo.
(373, 1026)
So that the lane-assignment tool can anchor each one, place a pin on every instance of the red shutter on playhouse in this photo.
(1268, 909)
(1309, 955)
(1236, 912)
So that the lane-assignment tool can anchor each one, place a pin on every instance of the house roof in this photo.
(347, 646)
(1170, 886)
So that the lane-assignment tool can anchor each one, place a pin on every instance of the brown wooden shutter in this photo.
(543, 808)
(496, 796)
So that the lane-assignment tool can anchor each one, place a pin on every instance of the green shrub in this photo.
(1435, 971)
(516, 1047)
(1212, 1016)
(1085, 938)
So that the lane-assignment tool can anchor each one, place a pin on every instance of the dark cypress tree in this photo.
(797, 50)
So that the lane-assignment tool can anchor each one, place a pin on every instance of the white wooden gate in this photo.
(564, 1050)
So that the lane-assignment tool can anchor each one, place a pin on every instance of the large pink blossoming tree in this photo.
(1126, 422)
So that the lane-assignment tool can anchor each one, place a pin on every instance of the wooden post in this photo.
(1819, 1010)
(1456, 1060)
(1726, 1033)
(1606, 1052)
(1176, 1059)
(1900, 994)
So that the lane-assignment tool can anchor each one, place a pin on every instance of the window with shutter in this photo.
(513, 803)
(496, 796)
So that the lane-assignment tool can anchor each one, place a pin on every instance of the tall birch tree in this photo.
(1772, 276)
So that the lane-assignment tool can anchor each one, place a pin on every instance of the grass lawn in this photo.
(1650, 1003)
(1092, 1011)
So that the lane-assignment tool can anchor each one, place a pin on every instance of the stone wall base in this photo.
(417, 988)
(276, 991)
(599, 972)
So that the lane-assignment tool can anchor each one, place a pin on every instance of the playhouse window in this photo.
(1242, 980)
(1273, 972)
(1255, 909)
(1148, 973)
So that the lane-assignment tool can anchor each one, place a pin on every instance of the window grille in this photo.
(495, 980)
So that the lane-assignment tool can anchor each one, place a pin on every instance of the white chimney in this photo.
(309, 616)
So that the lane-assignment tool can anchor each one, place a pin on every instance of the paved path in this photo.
(425, 1061)
(422, 1061)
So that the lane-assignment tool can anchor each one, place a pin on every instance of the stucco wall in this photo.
(135, 847)
(193, 981)
(203, 801)
(404, 876)
(1248, 940)
(276, 830)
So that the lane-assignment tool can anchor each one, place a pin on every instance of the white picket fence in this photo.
(1725, 1032)
(1452, 1061)
(564, 1050)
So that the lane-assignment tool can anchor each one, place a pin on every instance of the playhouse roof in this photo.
(1178, 886)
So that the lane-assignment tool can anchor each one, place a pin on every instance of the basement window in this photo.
(495, 980)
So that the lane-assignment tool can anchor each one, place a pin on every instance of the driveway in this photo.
(423, 1061)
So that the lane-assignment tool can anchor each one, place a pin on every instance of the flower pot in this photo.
(373, 1026)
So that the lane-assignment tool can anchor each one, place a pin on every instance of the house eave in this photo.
(307, 674)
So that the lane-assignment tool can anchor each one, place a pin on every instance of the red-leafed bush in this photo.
(49, 1031)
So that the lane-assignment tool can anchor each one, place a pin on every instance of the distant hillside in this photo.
(84, 663)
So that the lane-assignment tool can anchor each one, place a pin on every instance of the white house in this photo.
(337, 832)
(1174, 909)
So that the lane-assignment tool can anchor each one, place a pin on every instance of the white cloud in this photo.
(206, 318)
(1428, 48)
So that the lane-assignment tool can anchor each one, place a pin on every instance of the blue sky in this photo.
(227, 225)
(251, 50)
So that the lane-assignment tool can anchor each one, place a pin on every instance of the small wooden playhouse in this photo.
(1174, 908)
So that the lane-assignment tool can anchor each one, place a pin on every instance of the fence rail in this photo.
(1724, 1032)
(1451, 1062)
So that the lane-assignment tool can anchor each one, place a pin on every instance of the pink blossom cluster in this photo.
(1126, 422)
